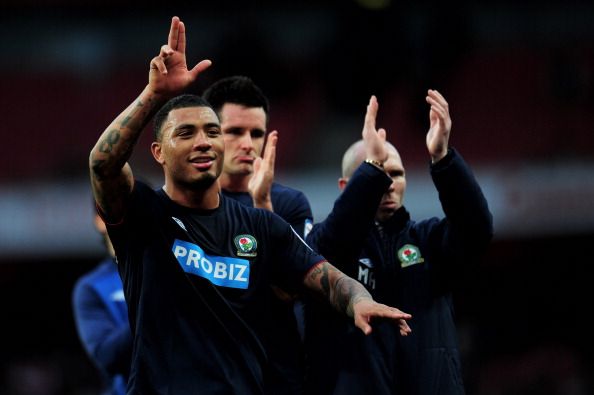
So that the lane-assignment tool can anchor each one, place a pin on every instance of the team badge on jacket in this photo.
(246, 245)
(409, 255)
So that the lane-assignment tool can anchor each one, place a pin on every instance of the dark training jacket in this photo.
(406, 264)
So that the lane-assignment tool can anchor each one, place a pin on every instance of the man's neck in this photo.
(234, 182)
(205, 199)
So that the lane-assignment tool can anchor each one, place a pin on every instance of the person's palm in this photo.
(440, 125)
(177, 78)
(260, 183)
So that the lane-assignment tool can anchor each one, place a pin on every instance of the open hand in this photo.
(438, 135)
(366, 309)
(375, 147)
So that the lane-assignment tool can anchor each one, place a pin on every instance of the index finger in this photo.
(390, 312)
(172, 40)
(181, 38)
(371, 113)
(396, 315)
(270, 150)
(438, 97)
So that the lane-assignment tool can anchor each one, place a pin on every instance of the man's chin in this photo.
(203, 182)
(244, 169)
(385, 213)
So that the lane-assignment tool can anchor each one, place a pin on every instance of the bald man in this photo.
(370, 236)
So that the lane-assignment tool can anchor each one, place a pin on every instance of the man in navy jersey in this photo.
(101, 319)
(248, 177)
(197, 266)
(370, 236)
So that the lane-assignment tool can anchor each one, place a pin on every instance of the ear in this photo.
(156, 151)
(342, 182)
(99, 224)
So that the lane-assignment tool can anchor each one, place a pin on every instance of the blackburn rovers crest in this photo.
(246, 245)
(409, 255)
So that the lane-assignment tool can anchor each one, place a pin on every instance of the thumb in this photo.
(382, 134)
(361, 323)
(200, 67)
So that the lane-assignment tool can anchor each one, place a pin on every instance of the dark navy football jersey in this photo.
(197, 283)
(290, 204)
(283, 342)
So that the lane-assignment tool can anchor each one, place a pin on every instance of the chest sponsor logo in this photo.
(219, 270)
(246, 245)
(366, 275)
(409, 255)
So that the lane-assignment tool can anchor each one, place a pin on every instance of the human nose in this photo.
(246, 143)
(392, 186)
(201, 142)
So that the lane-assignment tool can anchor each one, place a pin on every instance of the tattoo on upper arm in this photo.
(110, 198)
(97, 169)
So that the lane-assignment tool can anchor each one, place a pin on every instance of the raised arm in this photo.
(346, 228)
(469, 224)
(351, 298)
(111, 175)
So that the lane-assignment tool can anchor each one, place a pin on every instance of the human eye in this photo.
(184, 133)
(214, 132)
(257, 133)
(233, 131)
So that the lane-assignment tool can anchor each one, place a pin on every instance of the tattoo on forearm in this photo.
(343, 292)
(341, 296)
(324, 281)
(109, 140)
(133, 113)
(347, 292)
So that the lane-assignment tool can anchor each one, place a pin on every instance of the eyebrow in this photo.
(192, 126)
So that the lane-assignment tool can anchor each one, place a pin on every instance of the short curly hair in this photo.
(181, 101)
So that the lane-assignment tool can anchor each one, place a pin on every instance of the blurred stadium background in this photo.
(519, 77)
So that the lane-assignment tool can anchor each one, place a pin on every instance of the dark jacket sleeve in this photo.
(468, 225)
(108, 343)
(347, 226)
